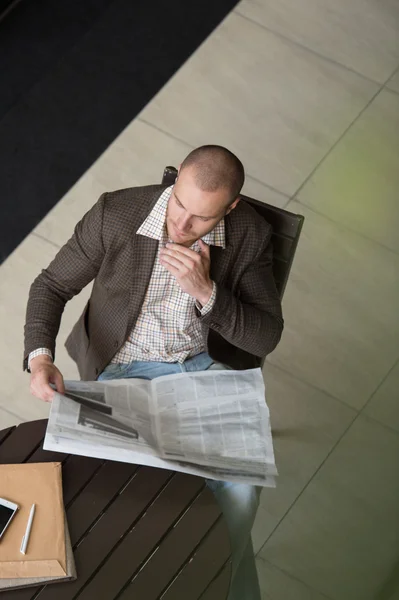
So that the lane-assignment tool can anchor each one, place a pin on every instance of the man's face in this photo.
(191, 212)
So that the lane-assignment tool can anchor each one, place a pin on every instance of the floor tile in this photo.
(279, 107)
(393, 83)
(335, 338)
(361, 34)
(341, 536)
(357, 185)
(16, 275)
(384, 405)
(259, 191)
(8, 420)
(306, 424)
(276, 585)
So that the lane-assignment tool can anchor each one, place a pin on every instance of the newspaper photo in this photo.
(214, 424)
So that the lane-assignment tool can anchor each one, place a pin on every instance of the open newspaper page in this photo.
(213, 423)
(218, 419)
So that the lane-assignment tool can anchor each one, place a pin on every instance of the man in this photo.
(182, 282)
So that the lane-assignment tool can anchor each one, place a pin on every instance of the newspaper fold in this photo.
(214, 424)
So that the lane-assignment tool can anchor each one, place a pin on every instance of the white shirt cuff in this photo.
(204, 310)
(38, 352)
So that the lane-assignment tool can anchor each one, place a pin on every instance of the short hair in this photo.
(216, 168)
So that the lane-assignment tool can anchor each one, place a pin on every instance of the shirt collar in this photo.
(154, 225)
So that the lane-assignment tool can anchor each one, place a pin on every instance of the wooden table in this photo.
(137, 532)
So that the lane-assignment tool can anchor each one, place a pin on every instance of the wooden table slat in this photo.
(144, 538)
(214, 549)
(95, 497)
(77, 472)
(41, 455)
(5, 433)
(174, 549)
(22, 442)
(115, 522)
(219, 585)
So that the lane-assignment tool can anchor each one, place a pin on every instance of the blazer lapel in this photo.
(143, 253)
(220, 260)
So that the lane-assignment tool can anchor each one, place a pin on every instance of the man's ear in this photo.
(233, 205)
(178, 173)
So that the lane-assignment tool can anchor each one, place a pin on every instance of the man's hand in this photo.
(43, 372)
(190, 269)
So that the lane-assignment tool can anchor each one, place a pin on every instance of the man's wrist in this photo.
(39, 352)
(39, 360)
(205, 296)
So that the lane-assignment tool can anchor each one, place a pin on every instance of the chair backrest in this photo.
(286, 231)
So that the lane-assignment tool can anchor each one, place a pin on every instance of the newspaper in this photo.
(214, 424)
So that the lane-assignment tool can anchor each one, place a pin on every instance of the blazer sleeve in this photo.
(75, 265)
(251, 320)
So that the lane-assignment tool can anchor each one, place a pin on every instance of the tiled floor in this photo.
(307, 93)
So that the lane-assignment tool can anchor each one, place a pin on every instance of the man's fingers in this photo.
(171, 268)
(59, 382)
(181, 251)
(205, 249)
(41, 380)
(42, 390)
(178, 262)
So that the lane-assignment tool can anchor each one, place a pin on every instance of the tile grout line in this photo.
(174, 137)
(388, 89)
(308, 483)
(294, 197)
(38, 235)
(396, 71)
(270, 187)
(379, 386)
(11, 413)
(303, 47)
(376, 422)
(337, 141)
(360, 412)
(157, 128)
(314, 387)
(377, 93)
(291, 576)
(341, 225)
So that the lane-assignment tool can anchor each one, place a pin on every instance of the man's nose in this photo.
(184, 223)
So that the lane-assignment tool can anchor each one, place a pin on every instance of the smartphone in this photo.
(7, 512)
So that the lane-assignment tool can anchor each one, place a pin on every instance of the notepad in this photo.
(17, 583)
(46, 558)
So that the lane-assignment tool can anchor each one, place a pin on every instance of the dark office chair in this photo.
(286, 231)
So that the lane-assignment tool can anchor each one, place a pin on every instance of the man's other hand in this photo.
(190, 269)
(43, 372)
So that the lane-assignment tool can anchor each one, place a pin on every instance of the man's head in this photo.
(206, 190)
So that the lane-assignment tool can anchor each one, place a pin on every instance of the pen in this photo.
(25, 539)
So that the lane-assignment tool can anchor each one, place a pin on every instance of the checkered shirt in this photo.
(168, 329)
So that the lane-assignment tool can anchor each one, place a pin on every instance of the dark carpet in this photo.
(72, 76)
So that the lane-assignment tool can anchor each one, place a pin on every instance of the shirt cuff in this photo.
(38, 352)
(204, 310)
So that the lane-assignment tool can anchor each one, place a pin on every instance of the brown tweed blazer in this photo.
(244, 324)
